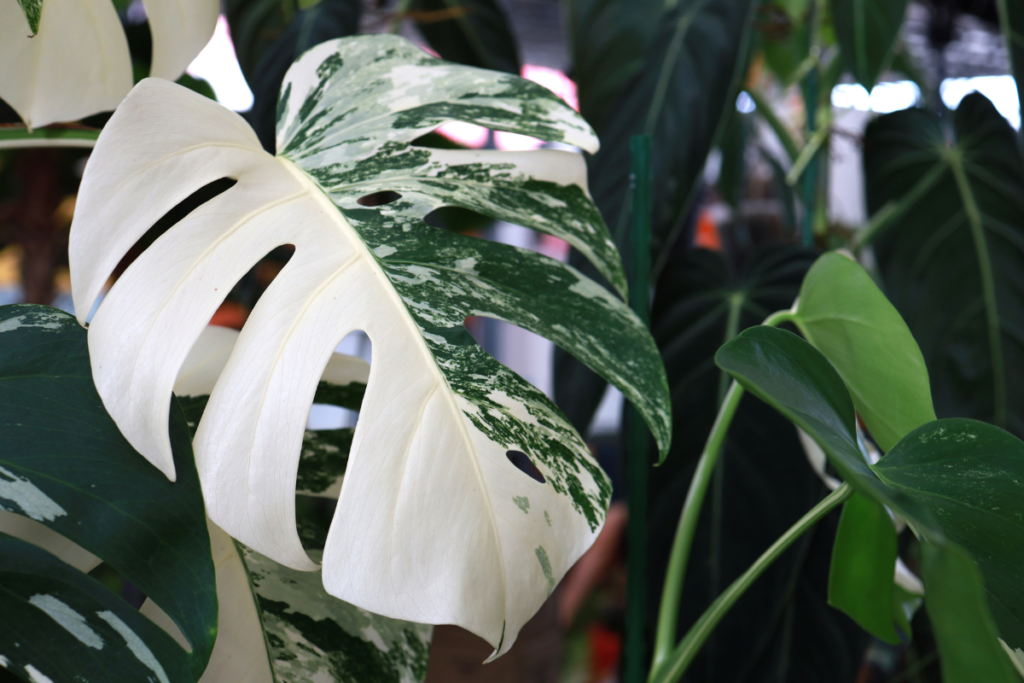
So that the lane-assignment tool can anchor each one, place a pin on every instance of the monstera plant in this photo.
(434, 523)
(67, 59)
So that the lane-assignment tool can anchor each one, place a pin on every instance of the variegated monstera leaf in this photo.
(67, 59)
(434, 524)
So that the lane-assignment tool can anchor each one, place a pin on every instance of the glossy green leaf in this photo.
(844, 315)
(952, 258)
(943, 478)
(470, 32)
(64, 463)
(867, 31)
(61, 625)
(863, 558)
(439, 415)
(969, 649)
(699, 302)
(971, 476)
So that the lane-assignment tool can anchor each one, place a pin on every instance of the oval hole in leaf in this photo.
(379, 198)
(525, 465)
(175, 215)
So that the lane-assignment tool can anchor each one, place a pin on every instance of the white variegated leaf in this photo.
(77, 62)
(278, 624)
(434, 523)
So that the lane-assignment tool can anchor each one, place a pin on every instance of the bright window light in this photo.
(884, 97)
(1001, 90)
(745, 103)
(218, 65)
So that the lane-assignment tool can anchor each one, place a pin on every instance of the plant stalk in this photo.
(765, 111)
(19, 137)
(677, 663)
(637, 462)
(665, 638)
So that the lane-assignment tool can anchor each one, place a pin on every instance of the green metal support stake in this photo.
(637, 462)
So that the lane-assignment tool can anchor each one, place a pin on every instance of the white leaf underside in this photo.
(78, 63)
(434, 524)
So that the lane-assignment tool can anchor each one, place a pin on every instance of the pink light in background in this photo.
(476, 137)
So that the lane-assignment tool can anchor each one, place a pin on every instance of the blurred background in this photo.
(775, 151)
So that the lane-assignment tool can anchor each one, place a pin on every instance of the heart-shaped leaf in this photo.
(952, 257)
(845, 316)
(63, 463)
(77, 62)
(429, 528)
(471, 32)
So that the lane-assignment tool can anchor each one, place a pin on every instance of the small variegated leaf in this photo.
(278, 624)
(429, 528)
(32, 10)
(67, 59)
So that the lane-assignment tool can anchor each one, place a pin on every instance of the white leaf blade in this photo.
(76, 65)
(180, 30)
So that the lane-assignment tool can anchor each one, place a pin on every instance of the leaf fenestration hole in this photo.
(175, 215)
(525, 465)
(379, 198)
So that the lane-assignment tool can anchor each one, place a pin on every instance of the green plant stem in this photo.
(808, 153)
(637, 463)
(676, 664)
(765, 111)
(665, 638)
(19, 137)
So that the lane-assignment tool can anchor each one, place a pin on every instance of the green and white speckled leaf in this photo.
(278, 624)
(32, 10)
(67, 59)
(431, 526)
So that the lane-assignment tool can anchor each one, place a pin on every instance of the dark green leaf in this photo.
(62, 625)
(863, 558)
(471, 32)
(867, 31)
(968, 647)
(953, 258)
(64, 463)
(845, 316)
(688, 81)
(695, 57)
(271, 34)
(785, 40)
(971, 476)
(607, 43)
